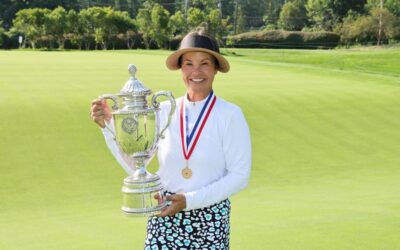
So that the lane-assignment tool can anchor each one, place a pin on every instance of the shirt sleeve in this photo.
(124, 162)
(237, 150)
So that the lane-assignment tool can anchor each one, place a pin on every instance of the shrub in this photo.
(285, 39)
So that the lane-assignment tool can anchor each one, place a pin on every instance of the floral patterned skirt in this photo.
(205, 228)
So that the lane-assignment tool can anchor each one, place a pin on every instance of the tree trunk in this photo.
(61, 43)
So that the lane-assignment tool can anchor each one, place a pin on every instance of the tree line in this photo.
(112, 24)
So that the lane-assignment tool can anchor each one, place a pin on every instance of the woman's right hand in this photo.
(100, 112)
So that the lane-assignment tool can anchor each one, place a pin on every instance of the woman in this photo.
(205, 156)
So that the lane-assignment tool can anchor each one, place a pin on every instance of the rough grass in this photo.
(325, 134)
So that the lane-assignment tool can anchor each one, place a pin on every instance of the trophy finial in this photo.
(134, 86)
(132, 70)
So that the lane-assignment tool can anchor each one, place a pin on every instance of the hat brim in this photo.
(172, 61)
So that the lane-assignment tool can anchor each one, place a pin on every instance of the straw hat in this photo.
(197, 41)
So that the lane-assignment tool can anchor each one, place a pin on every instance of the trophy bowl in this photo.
(136, 130)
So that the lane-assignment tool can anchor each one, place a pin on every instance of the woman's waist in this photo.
(187, 180)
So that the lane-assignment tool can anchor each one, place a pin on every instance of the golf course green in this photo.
(325, 127)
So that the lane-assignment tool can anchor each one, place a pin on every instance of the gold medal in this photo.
(186, 172)
(186, 138)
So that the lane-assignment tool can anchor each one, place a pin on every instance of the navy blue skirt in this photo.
(205, 228)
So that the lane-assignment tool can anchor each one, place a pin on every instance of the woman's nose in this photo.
(196, 69)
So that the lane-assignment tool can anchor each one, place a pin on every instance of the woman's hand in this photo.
(178, 203)
(100, 112)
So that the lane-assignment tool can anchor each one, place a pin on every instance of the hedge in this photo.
(284, 39)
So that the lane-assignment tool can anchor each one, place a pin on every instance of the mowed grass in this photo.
(325, 131)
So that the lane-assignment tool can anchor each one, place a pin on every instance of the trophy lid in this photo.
(134, 86)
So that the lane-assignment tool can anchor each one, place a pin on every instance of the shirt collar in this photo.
(195, 104)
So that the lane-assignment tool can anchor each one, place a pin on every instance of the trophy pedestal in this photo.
(138, 194)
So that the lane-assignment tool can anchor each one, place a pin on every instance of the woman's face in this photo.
(198, 71)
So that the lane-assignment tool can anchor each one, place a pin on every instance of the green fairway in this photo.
(325, 129)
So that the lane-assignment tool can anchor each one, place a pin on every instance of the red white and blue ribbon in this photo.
(189, 140)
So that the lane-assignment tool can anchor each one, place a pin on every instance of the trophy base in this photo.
(144, 212)
(139, 192)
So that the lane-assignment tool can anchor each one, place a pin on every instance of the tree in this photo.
(117, 23)
(389, 26)
(273, 8)
(9, 8)
(160, 28)
(130, 6)
(102, 25)
(30, 22)
(326, 14)
(392, 5)
(217, 26)
(321, 14)
(195, 17)
(364, 29)
(177, 23)
(205, 5)
(87, 26)
(239, 25)
(143, 22)
(56, 25)
(1, 34)
(251, 12)
(153, 22)
(129, 37)
(74, 29)
(293, 16)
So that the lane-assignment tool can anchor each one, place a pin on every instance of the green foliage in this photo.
(153, 23)
(285, 39)
(9, 8)
(161, 23)
(217, 26)
(159, 20)
(31, 22)
(392, 5)
(293, 16)
(195, 17)
(95, 22)
(206, 5)
(2, 34)
(365, 29)
(271, 15)
(143, 22)
(96, 25)
(56, 25)
(326, 14)
(177, 23)
(239, 21)
(321, 14)
(251, 12)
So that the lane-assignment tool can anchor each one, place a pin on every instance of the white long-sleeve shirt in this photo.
(220, 162)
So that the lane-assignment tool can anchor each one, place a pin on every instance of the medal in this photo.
(186, 138)
(186, 172)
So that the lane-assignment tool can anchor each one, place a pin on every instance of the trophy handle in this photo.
(113, 107)
(156, 104)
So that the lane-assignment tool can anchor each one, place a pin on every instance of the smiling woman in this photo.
(204, 158)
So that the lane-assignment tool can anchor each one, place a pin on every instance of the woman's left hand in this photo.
(178, 203)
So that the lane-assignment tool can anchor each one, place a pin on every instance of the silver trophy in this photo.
(137, 131)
